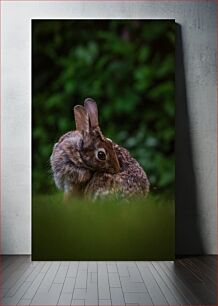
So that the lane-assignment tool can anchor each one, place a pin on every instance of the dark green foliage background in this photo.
(127, 67)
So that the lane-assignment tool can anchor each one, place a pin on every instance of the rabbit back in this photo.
(67, 166)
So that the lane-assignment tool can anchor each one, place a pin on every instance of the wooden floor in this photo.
(188, 281)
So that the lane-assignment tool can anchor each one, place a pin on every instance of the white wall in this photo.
(198, 24)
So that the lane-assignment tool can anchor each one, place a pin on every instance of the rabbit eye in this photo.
(101, 155)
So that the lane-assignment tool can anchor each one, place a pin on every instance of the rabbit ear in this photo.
(92, 110)
(81, 118)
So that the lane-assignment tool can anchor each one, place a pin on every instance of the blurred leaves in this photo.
(127, 67)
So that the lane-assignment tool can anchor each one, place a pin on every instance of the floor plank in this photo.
(103, 282)
(16, 263)
(48, 298)
(211, 264)
(166, 289)
(65, 299)
(16, 276)
(203, 269)
(17, 296)
(151, 284)
(29, 275)
(47, 281)
(204, 292)
(117, 296)
(187, 281)
(179, 282)
(169, 281)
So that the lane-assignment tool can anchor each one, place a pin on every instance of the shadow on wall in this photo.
(188, 235)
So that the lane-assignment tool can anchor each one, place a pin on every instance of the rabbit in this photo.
(79, 154)
(129, 181)
(86, 162)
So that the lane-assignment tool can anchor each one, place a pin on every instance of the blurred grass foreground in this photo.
(79, 230)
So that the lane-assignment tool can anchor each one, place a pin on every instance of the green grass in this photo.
(79, 230)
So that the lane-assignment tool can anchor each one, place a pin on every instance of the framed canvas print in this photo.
(103, 130)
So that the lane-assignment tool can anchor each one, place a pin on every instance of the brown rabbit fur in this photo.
(86, 162)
